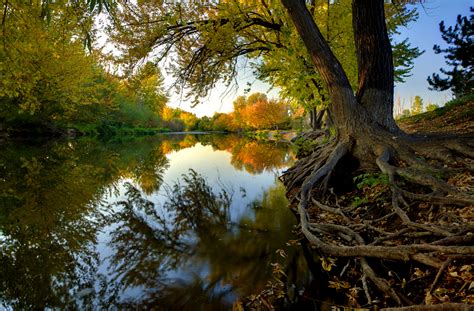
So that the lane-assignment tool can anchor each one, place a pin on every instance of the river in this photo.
(172, 222)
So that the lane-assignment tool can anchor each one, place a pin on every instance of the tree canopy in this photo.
(204, 42)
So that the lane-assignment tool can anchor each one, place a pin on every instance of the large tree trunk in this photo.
(343, 106)
(373, 102)
(368, 138)
(375, 63)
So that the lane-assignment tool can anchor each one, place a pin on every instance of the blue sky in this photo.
(423, 33)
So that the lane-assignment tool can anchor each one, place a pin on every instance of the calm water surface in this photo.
(173, 222)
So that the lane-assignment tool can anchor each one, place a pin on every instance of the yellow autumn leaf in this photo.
(328, 263)
(237, 306)
(428, 298)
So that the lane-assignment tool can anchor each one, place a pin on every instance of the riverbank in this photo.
(49, 130)
(360, 215)
(273, 135)
(109, 130)
(455, 117)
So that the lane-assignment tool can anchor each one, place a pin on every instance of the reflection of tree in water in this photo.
(148, 172)
(192, 230)
(256, 157)
(45, 222)
(148, 244)
(252, 156)
(225, 142)
(50, 214)
(195, 206)
(145, 248)
(170, 143)
(50, 211)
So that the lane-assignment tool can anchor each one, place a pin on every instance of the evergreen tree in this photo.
(460, 79)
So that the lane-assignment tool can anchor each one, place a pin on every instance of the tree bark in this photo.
(375, 62)
(374, 101)
(343, 106)
(316, 118)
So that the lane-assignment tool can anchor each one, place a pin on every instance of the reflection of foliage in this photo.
(194, 230)
(185, 295)
(145, 247)
(256, 157)
(195, 205)
(250, 155)
(149, 171)
(47, 247)
(51, 210)
(245, 263)
(172, 143)
(188, 141)
(49, 215)
(149, 244)
(222, 142)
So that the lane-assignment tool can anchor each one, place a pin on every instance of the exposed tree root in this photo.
(422, 221)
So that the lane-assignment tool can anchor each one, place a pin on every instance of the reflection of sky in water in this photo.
(64, 234)
(215, 166)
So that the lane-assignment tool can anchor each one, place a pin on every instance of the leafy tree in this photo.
(239, 104)
(366, 138)
(431, 107)
(256, 97)
(258, 112)
(406, 113)
(169, 113)
(224, 122)
(204, 124)
(45, 70)
(189, 119)
(417, 105)
(147, 86)
(178, 120)
(460, 79)
(265, 114)
(260, 31)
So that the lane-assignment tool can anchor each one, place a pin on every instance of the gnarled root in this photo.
(417, 230)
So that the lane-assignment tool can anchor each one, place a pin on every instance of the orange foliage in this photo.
(264, 114)
(188, 141)
(225, 122)
(168, 113)
(257, 157)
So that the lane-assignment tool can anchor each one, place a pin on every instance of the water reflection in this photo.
(252, 156)
(86, 224)
(44, 210)
(213, 260)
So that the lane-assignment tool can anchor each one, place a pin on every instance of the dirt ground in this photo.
(457, 119)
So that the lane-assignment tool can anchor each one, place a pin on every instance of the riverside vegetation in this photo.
(386, 215)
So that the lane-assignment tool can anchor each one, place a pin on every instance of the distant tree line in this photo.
(255, 112)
